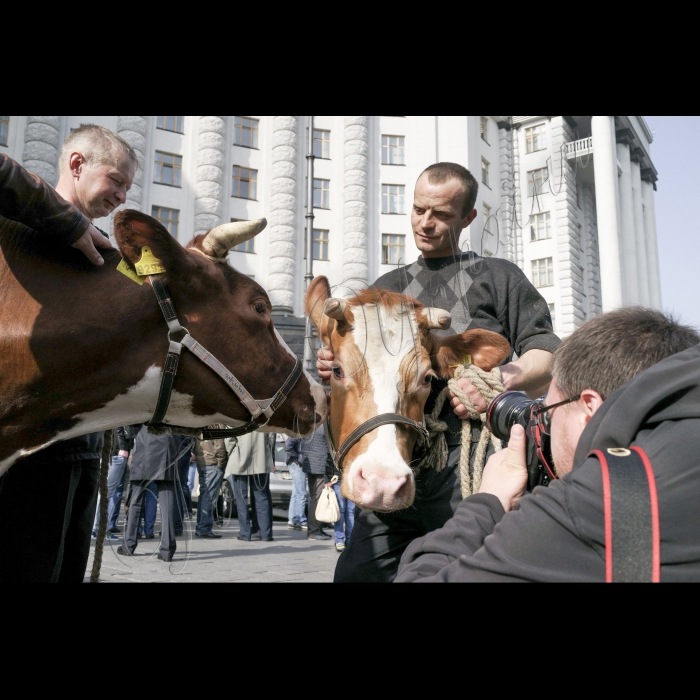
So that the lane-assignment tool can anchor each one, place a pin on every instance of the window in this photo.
(322, 144)
(245, 133)
(393, 199)
(487, 216)
(393, 249)
(485, 129)
(245, 183)
(485, 171)
(247, 246)
(393, 150)
(170, 218)
(175, 124)
(168, 169)
(535, 138)
(540, 228)
(320, 247)
(542, 272)
(322, 194)
(536, 180)
(4, 129)
(551, 313)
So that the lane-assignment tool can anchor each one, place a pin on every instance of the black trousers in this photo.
(316, 484)
(168, 503)
(379, 539)
(46, 514)
(261, 505)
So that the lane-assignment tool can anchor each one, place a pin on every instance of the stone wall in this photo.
(41, 147)
(209, 189)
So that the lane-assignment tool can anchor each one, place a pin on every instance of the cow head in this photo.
(386, 356)
(230, 315)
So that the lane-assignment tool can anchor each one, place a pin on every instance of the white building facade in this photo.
(569, 199)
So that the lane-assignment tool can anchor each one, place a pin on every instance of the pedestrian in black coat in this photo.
(154, 460)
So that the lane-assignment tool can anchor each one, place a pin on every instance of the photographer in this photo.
(596, 402)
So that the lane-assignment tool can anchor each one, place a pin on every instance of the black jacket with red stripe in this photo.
(558, 533)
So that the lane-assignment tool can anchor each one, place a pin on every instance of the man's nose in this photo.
(121, 196)
(427, 222)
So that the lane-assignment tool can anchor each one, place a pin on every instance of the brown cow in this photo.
(385, 360)
(82, 348)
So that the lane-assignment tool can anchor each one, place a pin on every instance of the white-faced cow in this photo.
(385, 360)
(82, 349)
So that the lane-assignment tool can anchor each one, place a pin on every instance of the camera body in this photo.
(515, 408)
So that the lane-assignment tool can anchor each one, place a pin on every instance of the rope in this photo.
(104, 505)
(490, 385)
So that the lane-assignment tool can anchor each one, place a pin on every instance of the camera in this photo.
(514, 407)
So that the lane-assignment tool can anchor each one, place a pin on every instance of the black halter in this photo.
(366, 428)
(257, 408)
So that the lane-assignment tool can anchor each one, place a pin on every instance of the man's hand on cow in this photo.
(505, 474)
(473, 393)
(89, 242)
(324, 364)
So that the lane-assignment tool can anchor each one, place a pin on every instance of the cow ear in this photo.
(318, 293)
(485, 349)
(135, 231)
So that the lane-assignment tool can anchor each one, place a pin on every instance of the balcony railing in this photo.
(582, 147)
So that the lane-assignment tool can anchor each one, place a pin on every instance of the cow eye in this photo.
(259, 307)
(428, 379)
(337, 373)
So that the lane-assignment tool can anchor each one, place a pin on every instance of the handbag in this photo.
(327, 509)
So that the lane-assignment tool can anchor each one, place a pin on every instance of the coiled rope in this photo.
(104, 505)
(490, 385)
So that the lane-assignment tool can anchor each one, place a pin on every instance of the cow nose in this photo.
(382, 489)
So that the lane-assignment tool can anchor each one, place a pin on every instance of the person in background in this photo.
(211, 457)
(182, 490)
(343, 528)
(116, 479)
(154, 460)
(297, 519)
(311, 454)
(251, 460)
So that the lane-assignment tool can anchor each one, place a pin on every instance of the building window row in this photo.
(484, 123)
(245, 132)
(543, 272)
(245, 183)
(485, 165)
(170, 218)
(540, 226)
(393, 150)
(393, 249)
(536, 138)
(176, 124)
(536, 180)
(4, 130)
(168, 170)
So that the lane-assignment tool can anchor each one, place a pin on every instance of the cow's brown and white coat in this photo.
(386, 357)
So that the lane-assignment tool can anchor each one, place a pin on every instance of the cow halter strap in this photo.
(266, 407)
(366, 428)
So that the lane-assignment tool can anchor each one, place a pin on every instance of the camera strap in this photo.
(632, 538)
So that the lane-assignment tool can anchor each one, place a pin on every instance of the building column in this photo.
(653, 272)
(640, 240)
(630, 276)
(355, 192)
(283, 214)
(133, 131)
(211, 159)
(605, 173)
(562, 182)
(592, 257)
(520, 220)
(41, 152)
(507, 233)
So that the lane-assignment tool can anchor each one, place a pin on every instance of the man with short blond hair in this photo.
(47, 500)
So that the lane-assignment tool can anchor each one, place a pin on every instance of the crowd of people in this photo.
(148, 469)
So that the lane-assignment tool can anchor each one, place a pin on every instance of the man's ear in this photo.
(485, 349)
(318, 293)
(134, 231)
(592, 401)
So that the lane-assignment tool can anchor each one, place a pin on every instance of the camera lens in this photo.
(506, 410)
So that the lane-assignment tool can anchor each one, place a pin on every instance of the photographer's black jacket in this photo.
(557, 533)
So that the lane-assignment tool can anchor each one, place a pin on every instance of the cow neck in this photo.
(257, 408)
(364, 429)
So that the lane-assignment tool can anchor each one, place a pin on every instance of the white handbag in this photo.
(327, 509)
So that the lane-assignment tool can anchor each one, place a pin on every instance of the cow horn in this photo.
(222, 238)
(335, 308)
(438, 319)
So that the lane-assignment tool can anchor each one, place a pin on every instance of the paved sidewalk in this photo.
(290, 558)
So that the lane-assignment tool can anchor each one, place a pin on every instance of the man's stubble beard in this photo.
(563, 452)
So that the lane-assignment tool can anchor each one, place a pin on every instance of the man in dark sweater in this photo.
(47, 500)
(491, 294)
(558, 534)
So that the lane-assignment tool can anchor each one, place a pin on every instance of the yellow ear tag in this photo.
(149, 264)
(466, 360)
(128, 272)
